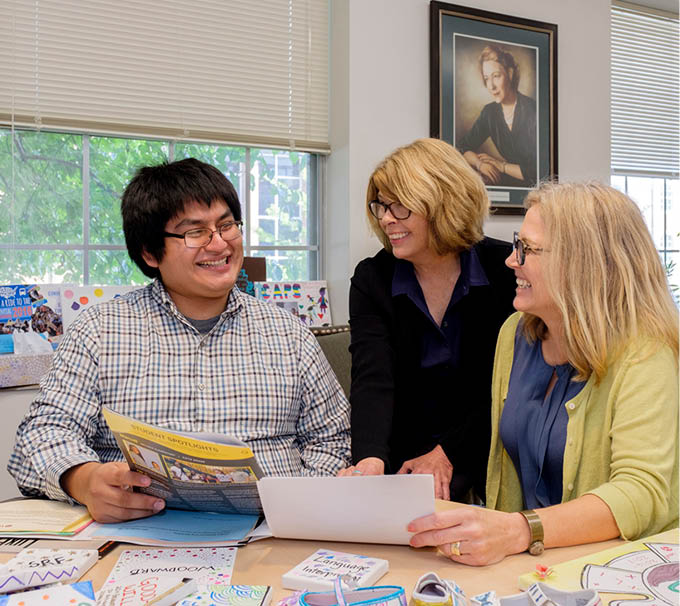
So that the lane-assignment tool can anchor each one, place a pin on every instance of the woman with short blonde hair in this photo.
(584, 442)
(425, 313)
(432, 181)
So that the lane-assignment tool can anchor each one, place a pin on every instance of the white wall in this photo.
(380, 94)
(14, 404)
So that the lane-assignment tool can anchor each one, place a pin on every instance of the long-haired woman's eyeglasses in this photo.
(522, 248)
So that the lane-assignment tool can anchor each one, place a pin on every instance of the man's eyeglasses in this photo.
(522, 248)
(198, 238)
(397, 209)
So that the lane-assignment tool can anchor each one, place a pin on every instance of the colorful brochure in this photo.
(196, 471)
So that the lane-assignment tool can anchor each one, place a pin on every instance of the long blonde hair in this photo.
(604, 274)
(431, 178)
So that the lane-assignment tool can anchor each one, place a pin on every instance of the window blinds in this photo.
(645, 104)
(232, 71)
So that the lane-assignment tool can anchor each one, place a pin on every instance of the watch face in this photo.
(536, 548)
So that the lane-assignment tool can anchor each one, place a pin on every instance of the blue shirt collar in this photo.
(404, 281)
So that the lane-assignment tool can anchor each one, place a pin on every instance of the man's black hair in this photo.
(156, 194)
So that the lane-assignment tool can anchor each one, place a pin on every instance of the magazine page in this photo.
(202, 472)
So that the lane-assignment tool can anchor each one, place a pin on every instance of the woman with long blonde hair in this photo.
(584, 440)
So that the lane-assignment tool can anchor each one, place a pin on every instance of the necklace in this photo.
(509, 114)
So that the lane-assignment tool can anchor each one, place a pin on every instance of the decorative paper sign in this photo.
(646, 571)
(37, 567)
(75, 299)
(309, 301)
(18, 370)
(141, 575)
(30, 307)
(76, 594)
(231, 595)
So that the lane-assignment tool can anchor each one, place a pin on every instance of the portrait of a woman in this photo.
(509, 121)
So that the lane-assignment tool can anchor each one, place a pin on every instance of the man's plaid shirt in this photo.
(259, 375)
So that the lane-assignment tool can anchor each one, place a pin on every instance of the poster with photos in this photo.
(34, 308)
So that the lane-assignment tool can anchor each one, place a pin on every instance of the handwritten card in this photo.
(148, 573)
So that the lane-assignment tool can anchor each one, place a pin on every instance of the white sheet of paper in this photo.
(364, 509)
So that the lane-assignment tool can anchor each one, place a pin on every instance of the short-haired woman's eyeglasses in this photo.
(198, 238)
(397, 209)
(522, 248)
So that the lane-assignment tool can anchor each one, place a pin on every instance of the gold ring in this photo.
(455, 548)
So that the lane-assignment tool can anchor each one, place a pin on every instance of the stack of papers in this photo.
(39, 517)
(56, 520)
(179, 527)
(322, 509)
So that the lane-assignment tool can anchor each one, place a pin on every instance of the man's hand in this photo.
(437, 463)
(106, 490)
(370, 466)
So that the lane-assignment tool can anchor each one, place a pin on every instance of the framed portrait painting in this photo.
(494, 97)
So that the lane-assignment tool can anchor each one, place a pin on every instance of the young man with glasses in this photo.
(189, 352)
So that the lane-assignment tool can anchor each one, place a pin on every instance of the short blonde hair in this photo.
(604, 273)
(432, 179)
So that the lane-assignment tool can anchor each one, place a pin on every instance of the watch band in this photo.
(536, 546)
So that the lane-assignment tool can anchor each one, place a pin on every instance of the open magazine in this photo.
(195, 471)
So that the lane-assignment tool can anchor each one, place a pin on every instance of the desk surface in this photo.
(263, 562)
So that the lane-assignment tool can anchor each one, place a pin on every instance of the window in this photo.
(255, 73)
(645, 120)
(60, 204)
(659, 201)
